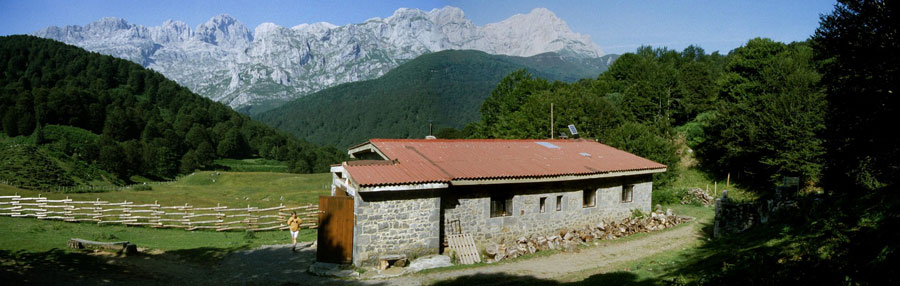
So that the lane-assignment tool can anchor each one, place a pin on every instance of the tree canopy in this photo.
(147, 125)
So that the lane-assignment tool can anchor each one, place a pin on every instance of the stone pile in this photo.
(570, 239)
(698, 195)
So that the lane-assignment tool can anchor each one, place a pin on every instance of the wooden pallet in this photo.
(464, 246)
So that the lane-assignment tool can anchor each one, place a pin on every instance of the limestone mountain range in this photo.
(224, 60)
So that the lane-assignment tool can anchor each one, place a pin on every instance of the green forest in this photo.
(444, 88)
(94, 119)
(754, 113)
(819, 110)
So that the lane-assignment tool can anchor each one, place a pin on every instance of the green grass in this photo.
(32, 235)
(31, 247)
(693, 178)
(252, 165)
(209, 188)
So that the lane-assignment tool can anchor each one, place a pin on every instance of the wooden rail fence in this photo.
(219, 218)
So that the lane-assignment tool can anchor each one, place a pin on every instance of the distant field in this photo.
(252, 165)
(208, 188)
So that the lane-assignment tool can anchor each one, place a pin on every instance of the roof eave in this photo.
(403, 187)
(563, 178)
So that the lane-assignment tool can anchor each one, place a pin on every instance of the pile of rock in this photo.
(570, 239)
(697, 195)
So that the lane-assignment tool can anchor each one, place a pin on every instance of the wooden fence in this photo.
(219, 218)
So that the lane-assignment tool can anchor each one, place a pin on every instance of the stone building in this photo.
(409, 194)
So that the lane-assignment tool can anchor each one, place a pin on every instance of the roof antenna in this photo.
(430, 131)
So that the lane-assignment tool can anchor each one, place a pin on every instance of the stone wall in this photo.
(468, 209)
(736, 217)
(409, 222)
(395, 222)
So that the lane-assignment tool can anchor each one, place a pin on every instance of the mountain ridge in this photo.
(445, 88)
(224, 60)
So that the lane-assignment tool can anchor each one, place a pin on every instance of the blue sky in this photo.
(616, 26)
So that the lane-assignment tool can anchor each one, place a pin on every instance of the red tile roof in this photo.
(414, 161)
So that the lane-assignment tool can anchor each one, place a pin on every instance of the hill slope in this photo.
(75, 110)
(446, 88)
(253, 69)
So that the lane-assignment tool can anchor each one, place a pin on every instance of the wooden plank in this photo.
(58, 207)
(464, 246)
(210, 209)
(32, 204)
(88, 202)
(116, 210)
(202, 222)
(57, 201)
(269, 209)
(202, 215)
(116, 221)
(172, 219)
(178, 214)
(265, 228)
(125, 203)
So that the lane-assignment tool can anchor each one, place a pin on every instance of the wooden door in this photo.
(335, 229)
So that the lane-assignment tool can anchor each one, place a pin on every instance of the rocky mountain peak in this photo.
(224, 31)
(171, 31)
(108, 24)
(448, 14)
(224, 60)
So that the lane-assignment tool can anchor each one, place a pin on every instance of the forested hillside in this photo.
(102, 119)
(754, 113)
(445, 88)
(820, 110)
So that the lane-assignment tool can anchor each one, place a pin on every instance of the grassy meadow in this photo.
(234, 189)
(208, 188)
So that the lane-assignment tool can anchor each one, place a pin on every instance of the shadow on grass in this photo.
(206, 255)
(495, 279)
(275, 265)
(824, 241)
(56, 267)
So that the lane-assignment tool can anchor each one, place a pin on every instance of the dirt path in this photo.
(558, 265)
(278, 265)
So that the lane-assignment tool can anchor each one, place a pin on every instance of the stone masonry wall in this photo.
(395, 223)
(470, 211)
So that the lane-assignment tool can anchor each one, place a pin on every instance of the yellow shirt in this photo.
(294, 222)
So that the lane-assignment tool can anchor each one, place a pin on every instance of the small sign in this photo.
(572, 129)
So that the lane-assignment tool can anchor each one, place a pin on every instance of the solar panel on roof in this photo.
(547, 144)
(572, 129)
(585, 154)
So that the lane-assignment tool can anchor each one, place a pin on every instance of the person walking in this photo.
(294, 223)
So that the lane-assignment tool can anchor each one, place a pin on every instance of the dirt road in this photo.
(555, 266)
